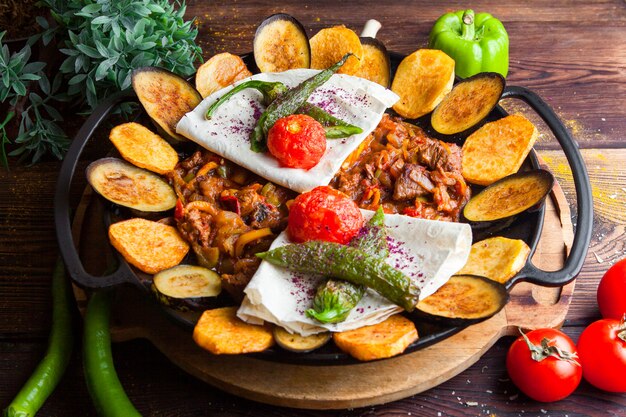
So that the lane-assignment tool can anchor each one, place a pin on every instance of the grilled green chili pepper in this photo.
(288, 103)
(335, 128)
(270, 91)
(104, 386)
(48, 373)
(477, 43)
(334, 299)
(350, 264)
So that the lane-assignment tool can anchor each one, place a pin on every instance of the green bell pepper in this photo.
(477, 43)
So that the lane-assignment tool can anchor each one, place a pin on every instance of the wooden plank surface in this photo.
(573, 53)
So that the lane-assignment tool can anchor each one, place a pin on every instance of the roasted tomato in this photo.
(543, 365)
(324, 214)
(297, 141)
(602, 350)
(612, 292)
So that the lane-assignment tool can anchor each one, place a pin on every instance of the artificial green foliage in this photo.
(107, 39)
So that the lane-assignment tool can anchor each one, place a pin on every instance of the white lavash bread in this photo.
(352, 99)
(427, 251)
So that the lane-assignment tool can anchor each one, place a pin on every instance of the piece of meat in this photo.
(413, 182)
(244, 269)
(195, 226)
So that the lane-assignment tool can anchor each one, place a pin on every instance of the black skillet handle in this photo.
(61, 203)
(584, 200)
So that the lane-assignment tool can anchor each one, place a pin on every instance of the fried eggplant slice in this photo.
(129, 186)
(463, 299)
(281, 44)
(509, 196)
(469, 102)
(165, 96)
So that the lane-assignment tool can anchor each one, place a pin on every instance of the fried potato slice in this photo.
(220, 332)
(422, 80)
(497, 258)
(497, 149)
(329, 45)
(149, 246)
(383, 340)
(143, 148)
(220, 71)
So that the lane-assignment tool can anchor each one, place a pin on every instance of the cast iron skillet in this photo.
(526, 227)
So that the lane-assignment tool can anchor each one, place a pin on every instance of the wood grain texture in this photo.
(570, 52)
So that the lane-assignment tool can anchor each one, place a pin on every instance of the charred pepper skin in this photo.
(347, 263)
(334, 298)
(477, 42)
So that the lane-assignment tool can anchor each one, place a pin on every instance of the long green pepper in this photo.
(347, 263)
(48, 373)
(334, 298)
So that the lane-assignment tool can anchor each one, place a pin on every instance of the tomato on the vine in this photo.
(612, 292)
(602, 351)
(543, 365)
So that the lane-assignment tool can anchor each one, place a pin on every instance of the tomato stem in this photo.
(621, 330)
(539, 353)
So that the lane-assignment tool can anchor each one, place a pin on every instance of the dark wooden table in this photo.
(572, 53)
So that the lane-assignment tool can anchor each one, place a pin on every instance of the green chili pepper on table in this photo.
(334, 298)
(347, 263)
(48, 373)
(270, 91)
(476, 42)
(105, 388)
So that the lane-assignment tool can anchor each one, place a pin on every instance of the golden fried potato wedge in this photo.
(143, 148)
(383, 340)
(422, 80)
(497, 149)
(329, 45)
(220, 71)
(221, 332)
(497, 258)
(149, 246)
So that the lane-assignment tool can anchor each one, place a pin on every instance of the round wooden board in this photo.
(346, 386)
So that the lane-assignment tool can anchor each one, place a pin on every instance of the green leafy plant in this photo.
(38, 134)
(103, 41)
(107, 39)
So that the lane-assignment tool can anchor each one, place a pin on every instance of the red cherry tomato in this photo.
(544, 367)
(602, 351)
(324, 214)
(297, 141)
(612, 292)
